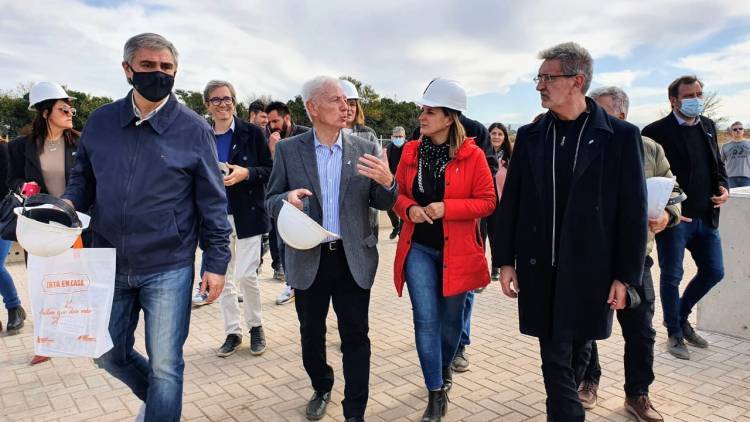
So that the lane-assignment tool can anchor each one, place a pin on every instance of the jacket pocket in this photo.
(370, 241)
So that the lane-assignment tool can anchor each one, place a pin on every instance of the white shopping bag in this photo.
(659, 190)
(71, 300)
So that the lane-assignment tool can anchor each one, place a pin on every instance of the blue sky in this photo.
(271, 48)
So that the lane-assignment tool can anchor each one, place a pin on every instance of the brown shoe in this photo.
(642, 409)
(587, 393)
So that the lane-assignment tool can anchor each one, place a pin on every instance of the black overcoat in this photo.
(602, 235)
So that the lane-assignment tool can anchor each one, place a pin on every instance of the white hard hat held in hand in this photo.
(44, 91)
(47, 226)
(298, 230)
(445, 93)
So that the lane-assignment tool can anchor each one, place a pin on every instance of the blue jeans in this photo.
(704, 244)
(468, 307)
(739, 181)
(165, 301)
(438, 320)
(7, 288)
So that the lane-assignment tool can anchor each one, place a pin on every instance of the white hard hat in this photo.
(48, 229)
(43, 91)
(349, 89)
(444, 93)
(298, 230)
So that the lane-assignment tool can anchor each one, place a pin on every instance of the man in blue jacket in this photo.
(147, 169)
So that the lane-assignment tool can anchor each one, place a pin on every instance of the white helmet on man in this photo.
(47, 226)
(43, 91)
(349, 90)
(298, 230)
(446, 93)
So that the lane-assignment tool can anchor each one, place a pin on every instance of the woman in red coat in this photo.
(444, 189)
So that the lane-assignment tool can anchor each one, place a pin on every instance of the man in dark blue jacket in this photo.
(147, 168)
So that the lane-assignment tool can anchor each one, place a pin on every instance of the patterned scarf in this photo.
(432, 159)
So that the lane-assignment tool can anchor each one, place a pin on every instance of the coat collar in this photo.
(411, 148)
(159, 122)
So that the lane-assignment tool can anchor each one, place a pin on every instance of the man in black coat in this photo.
(393, 151)
(689, 142)
(245, 160)
(572, 222)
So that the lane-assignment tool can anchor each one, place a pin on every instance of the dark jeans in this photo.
(639, 335)
(559, 378)
(7, 288)
(334, 282)
(438, 319)
(704, 244)
(277, 247)
(739, 181)
(165, 301)
(468, 308)
(395, 221)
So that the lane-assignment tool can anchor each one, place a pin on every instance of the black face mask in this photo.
(153, 86)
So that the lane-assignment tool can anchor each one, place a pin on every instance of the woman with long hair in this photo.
(501, 148)
(45, 157)
(444, 188)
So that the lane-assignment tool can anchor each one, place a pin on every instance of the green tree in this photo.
(297, 108)
(193, 100)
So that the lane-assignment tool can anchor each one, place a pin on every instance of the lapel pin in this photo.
(349, 163)
(591, 142)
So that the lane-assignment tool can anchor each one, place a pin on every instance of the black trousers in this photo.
(559, 378)
(334, 282)
(395, 221)
(639, 334)
(276, 245)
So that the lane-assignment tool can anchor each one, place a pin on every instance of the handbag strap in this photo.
(43, 199)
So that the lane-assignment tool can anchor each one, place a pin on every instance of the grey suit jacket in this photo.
(295, 167)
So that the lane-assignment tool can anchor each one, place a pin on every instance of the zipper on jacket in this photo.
(128, 185)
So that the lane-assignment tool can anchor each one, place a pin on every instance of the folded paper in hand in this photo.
(659, 189)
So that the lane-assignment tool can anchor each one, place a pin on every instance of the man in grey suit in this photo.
(334, 178)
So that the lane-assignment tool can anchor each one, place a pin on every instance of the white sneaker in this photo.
(286, 296)
(141, 416)
(198, 298)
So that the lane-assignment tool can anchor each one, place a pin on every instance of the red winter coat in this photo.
(469, 196)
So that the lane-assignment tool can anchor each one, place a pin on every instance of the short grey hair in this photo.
(398, 129)
(149, 41)
(619, 97)
(574, 60)
(216, 83)
(312, 88)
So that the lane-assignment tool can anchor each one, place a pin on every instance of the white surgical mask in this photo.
(398, 141)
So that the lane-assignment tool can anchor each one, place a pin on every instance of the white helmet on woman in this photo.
(446, 93)
(349, 89)
(43, 91)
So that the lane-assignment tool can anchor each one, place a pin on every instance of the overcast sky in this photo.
(272, 47)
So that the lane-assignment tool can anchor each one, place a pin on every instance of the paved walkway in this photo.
(504, 383)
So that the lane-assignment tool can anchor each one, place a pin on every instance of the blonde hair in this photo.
(456, 133)
(359, 118)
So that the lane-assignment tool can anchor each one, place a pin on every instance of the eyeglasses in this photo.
(737, 129)
(68, 111)
(550, 78)
(218, 100)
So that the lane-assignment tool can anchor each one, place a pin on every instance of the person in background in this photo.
(636, 322)
(502, 151)
(334, 177)
(242, 148)
(571, 233)
(256, 114)
(355, 117)
(736, 156)
(444, 189)
(690, 142)
(45, 157)
(16, 313)
(146, 165)
(394, 149)
(280, 126)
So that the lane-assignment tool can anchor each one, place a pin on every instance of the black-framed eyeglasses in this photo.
(550, 78)
(68, 111)
(218, 100)
(737, 129)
